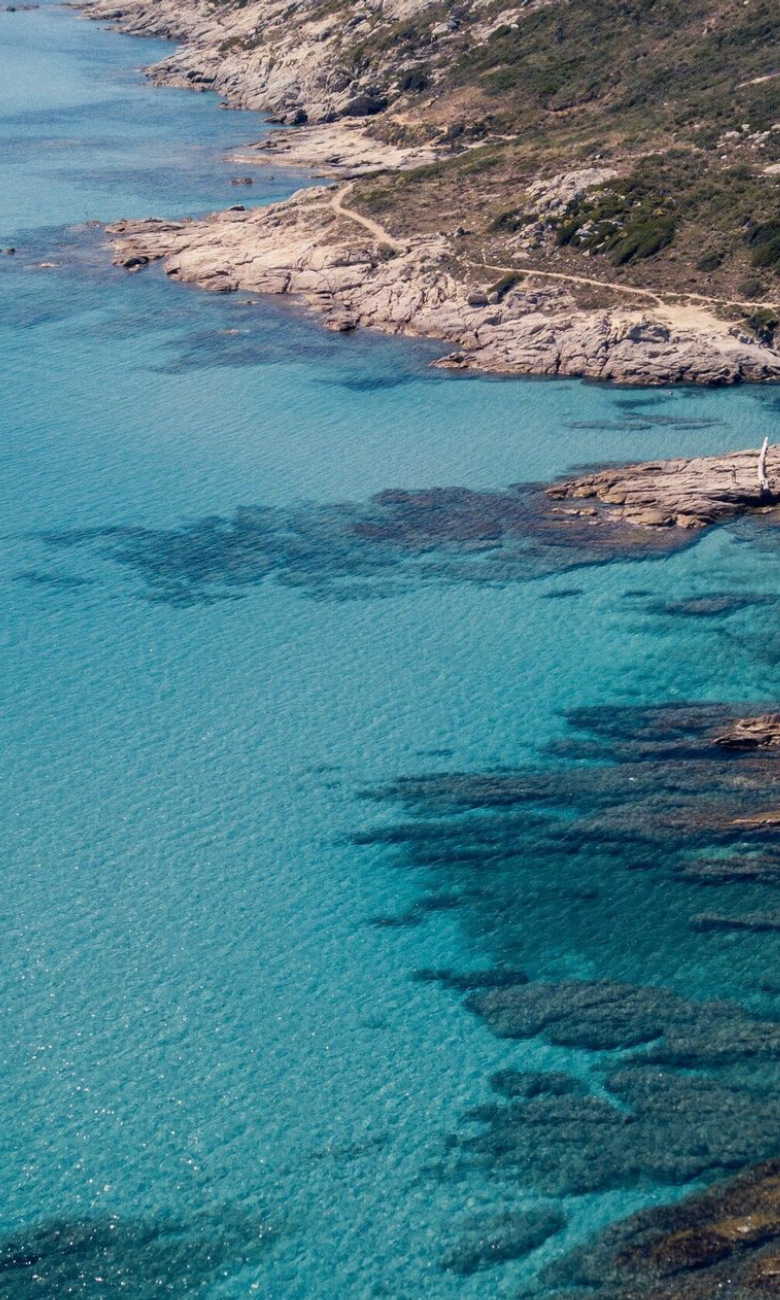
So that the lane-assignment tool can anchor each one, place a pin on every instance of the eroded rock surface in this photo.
(685, 494)
(722, 1242)
(758, 732)
(346, 271)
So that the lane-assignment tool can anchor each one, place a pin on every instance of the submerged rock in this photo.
(762, 868)
(113, 1255)
(717, 605)
(756, 921)
(650, 1126)
(605, 1015)
(497, 977)
(722, 1242)
(530, 1083)
(495, 1239)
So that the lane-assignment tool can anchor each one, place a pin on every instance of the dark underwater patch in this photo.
(721, 1242)
(396, 541)
(376, 384)
(489, 1240)
(642, 424)
(52, 580)
(133, 1259)
(716, 604)
(420, 911)
(615, 826)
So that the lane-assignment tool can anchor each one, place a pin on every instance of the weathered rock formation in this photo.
(684, 494)
(356, 275)
(384, 86)
(722, 1242)
(752, 733)
(255, 57)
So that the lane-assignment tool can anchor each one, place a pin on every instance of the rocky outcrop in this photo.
(721, 1242)
(759, 732)
(686, 494)
(302, 65)
(342, 149)
(368, 88)
(356, 278)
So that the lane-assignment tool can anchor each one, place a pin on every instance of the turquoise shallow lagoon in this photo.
(214, 1054)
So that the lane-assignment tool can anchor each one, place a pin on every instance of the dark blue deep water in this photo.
(261, 768)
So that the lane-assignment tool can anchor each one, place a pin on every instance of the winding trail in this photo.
(374, 227)
(659, 299)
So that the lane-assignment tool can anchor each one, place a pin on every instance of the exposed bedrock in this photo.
(686, 494)
(757, 732)
(356, 276)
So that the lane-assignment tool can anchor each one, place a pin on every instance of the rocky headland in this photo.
(357, 275)
(684, 494)
(532, 237)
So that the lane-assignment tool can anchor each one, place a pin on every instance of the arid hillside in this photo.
(596, 146)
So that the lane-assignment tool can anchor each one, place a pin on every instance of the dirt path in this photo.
(658, 298)
(684, 302)
(374, 227)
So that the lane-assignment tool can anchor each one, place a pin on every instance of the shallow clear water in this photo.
(204, 1025)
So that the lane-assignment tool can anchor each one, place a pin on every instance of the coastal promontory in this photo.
(560, 187)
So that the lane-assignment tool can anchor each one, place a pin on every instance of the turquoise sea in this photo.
(219, 1074)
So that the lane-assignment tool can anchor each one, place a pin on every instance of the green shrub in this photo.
(763, 322)
(750, 289)
(763, 237)
(710, 261)
(510, 220)
(416, 79)
(507, 282)
(643, 239)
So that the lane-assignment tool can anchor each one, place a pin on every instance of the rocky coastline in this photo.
(357, 277)
(685, 494)
(354, 273)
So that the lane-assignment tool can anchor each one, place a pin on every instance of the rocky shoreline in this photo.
(355, 278)
(686, 494)
(495, 319)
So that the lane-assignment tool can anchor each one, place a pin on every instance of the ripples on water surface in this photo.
(267, 784)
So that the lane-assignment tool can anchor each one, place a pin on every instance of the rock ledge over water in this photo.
(686, 494)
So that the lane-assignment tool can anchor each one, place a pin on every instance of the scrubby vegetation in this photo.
(763, 323)
(679, 98)
(646, 62)
(627, 221)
